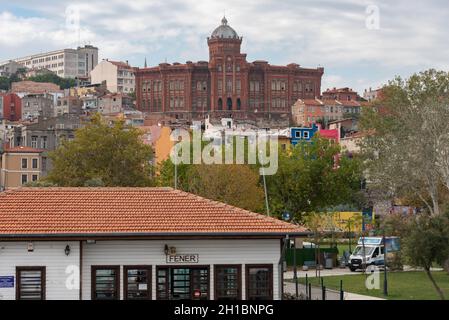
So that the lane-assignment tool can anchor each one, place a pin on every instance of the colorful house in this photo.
(306, 134)
(299, 134)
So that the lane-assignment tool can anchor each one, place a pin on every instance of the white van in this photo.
(371, 251)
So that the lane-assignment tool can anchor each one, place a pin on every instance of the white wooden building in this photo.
(136, 243)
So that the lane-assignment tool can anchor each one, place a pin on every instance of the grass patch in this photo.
(413, 285)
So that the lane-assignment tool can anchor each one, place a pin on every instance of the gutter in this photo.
(154, 235)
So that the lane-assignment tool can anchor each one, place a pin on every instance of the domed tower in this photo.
(228, 68)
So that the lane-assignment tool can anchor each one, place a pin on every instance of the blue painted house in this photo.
(299, 134)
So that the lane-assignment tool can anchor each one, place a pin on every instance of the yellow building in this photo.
(347, 219)
(20, 165)
(159, 139)
(284, 142)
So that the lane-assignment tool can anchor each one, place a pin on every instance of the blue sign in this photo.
(7, 282)
(392, 244)
(367, 219)
(286, 216)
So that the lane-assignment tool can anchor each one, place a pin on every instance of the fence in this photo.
(305, 255)
(306, 291)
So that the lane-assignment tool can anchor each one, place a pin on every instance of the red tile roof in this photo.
(22, 149)
(29, 212)
(350, 103)
(120, 64)
(312, 102)
(330, 134)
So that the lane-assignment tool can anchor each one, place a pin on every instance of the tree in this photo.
(313, 177)
(102, 154)
(408, 151)
(5, 83)
(237, 185)
(426, 242)
(63, 83)
(166, 175)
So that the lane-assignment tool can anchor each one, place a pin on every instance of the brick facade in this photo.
(227, 85)
(12, 107)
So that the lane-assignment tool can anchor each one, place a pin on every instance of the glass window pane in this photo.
(259, 283)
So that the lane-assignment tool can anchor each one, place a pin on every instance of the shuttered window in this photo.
(105, 282)
(137, 282)
(227, 282)
(30, 283)
(259, 282)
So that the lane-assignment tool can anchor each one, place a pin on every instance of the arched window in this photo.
(239, 104)
(220, 104)
(229, 103)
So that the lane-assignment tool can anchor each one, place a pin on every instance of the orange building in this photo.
(159, 139)
(20, 165)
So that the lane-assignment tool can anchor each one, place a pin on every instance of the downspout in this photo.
(281, 265)
(81, 270)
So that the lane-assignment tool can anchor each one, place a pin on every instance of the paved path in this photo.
(330, 294)
(324, 273)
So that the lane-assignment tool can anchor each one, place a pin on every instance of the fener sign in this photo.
(182, 258)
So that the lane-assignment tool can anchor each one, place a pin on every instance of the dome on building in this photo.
(224, 31)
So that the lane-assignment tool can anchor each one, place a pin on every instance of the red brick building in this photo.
(11, 105)
(227, 85)
(341, 94)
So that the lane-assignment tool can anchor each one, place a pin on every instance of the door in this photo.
(30, 283)
(182, 283)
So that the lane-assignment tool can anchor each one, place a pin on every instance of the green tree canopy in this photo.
(103, 154)
(234, 184)
(63, 83)
(427, 242)
(407, 150)
(309, 180)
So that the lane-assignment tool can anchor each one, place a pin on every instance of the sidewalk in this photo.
(324, 273)
(289, 287)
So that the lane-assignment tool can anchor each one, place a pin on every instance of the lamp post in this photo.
(265, 190)
(176, 173)
(349, 236)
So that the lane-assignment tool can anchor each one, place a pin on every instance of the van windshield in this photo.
(359, 251)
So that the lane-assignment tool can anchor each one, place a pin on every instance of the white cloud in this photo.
(412, 34)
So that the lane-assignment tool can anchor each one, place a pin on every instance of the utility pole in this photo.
(295, 270)
(265, 190)
(176, 170)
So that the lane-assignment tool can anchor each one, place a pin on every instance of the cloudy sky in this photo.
(360, 43)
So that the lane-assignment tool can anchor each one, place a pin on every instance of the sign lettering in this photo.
(182, 258)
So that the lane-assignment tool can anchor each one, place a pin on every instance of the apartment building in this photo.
(66, 63)
(19, 166)
(8, 68)
(35, 105)
(68, 105)
(119, 76)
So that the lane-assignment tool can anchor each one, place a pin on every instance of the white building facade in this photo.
(66, 63)
(119, 76)
(150, 244)
(72, 276)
